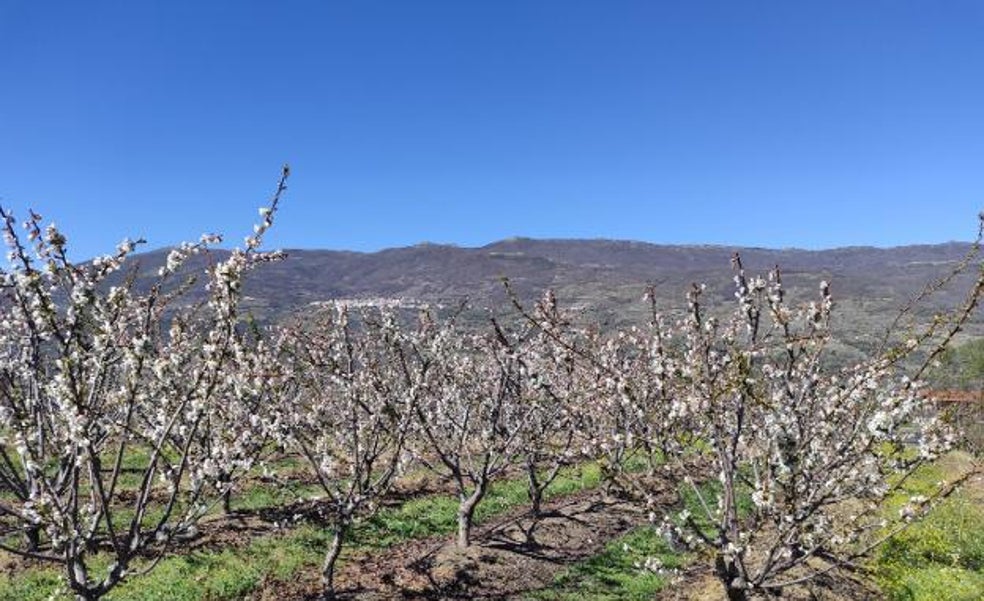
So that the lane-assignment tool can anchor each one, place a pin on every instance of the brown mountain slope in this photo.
(606, 277)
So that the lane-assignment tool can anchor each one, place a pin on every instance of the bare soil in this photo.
(699, 584)
(503, 563)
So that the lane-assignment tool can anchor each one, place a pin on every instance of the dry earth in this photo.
(504, 563)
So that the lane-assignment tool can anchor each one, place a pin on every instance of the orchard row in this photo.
(129, 411)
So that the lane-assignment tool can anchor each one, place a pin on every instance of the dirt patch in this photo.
(511, 557)
(960, 463)
(699, 584)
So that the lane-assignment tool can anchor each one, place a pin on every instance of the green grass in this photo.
(437, 515)
(258, 495)
(940, 558)
(224, 575)
(30, 585)
(710, 490)
(618, 572)
(232, 573)
(227, 574)
(936, 583)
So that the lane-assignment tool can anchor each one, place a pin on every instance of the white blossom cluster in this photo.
(103, 381)
(816, 449)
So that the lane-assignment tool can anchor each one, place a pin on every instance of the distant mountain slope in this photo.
(606, 277)
(642, 257)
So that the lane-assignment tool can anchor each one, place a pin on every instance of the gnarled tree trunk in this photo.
(466, 513)
(328, 569)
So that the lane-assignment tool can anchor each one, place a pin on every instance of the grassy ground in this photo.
(632, 567)
(234, 572)
(940, 558)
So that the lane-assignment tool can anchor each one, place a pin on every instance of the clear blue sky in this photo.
(810, 124)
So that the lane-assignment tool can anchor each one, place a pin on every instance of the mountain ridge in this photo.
(605, 277)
